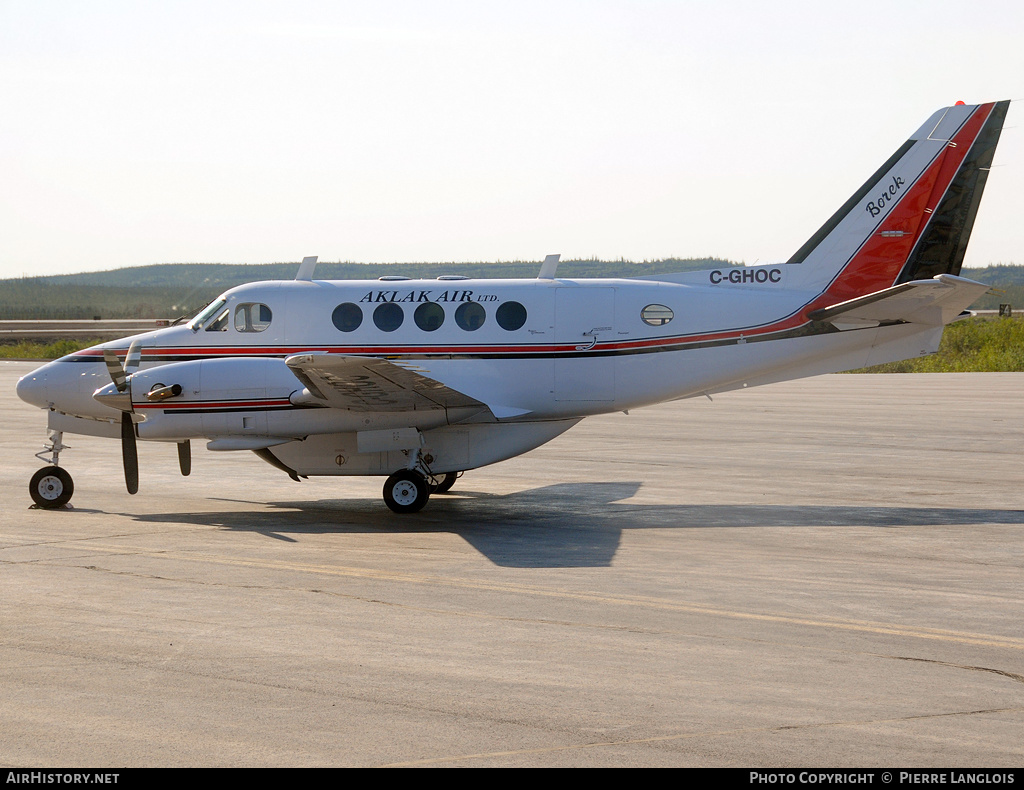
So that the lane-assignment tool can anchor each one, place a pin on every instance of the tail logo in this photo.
(874, 208)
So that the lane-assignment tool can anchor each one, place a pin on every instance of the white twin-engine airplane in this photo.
(420, 380)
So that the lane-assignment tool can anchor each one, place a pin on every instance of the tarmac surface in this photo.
(822, 573)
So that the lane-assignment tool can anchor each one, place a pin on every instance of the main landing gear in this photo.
(442, 484)
(51, 487)
(407, 491)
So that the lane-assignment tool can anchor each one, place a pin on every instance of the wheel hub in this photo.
(50, 487)
(405, 493)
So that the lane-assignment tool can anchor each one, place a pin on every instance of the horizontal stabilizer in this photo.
(934, 302)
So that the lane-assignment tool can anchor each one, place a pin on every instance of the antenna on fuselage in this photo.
(306, 268)
(547, 269)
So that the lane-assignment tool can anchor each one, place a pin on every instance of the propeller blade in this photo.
(185, 457)
(133, 358)
(129, 453)
(123, 401)
(117, 374)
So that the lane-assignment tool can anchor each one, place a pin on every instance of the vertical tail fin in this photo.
(913, 217)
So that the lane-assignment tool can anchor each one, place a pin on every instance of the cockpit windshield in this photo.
(207, 314)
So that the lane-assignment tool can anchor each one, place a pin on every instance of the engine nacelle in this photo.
(211, 397)
(242, 398)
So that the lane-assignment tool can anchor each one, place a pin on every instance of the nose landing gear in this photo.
(51, 487)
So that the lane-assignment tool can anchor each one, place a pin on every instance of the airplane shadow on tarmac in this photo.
(567, 525)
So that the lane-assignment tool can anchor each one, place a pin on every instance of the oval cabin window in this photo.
(510, 316)
(656, 315)
(429, 316)
(388, 317)
(347, 317)
(470, 316)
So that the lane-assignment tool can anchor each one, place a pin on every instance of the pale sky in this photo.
(139, 132)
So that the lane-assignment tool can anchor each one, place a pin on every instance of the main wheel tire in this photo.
(51, 487)
(442, 484)
(406, 491)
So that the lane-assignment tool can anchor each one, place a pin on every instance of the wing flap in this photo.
(372, 384)
(934, 302)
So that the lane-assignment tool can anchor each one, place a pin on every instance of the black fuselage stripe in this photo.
(232, 409)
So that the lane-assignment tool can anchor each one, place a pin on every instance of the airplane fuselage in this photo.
(415, 378)
(532, 349)
(541, 354)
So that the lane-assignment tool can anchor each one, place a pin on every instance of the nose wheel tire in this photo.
(51, 487)
(406, 491)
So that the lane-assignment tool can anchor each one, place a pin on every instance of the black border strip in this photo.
(940, 249)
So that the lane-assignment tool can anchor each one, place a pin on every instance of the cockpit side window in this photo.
(207, 313)
(220, 323)
(252, 317)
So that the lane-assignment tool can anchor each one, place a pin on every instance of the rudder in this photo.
(942, 245)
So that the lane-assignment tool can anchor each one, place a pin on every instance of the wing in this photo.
(934, 302)
(376, 385)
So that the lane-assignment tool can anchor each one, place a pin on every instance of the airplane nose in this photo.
(67, 386)
(32, 389)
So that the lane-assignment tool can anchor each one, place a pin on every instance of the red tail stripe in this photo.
(880, 259)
